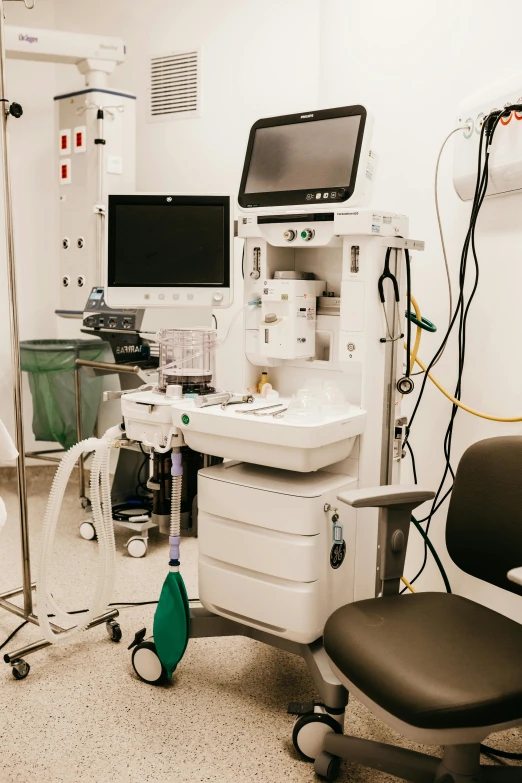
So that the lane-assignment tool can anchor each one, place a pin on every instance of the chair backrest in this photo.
(484, 525)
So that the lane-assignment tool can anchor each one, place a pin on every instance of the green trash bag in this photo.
(50, 365)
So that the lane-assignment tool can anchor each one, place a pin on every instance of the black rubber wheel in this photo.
(301, 724)
(114, 631)
(333, 769)
(22, 671)
(147, 665)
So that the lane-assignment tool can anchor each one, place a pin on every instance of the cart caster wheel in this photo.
(114, 630)
(147, 665)
(327, 766)
(87, 531)
(309, 732)
(20, 669)
(137, 546)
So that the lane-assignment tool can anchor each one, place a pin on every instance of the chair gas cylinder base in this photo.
(437, 668)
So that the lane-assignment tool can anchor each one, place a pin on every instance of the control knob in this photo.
(290, 235)
(307, 234)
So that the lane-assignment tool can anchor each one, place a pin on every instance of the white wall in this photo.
(413, 64)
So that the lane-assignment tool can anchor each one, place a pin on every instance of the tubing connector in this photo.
(174, 542)
(177, 467)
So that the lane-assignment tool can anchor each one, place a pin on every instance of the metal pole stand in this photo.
(19, 667)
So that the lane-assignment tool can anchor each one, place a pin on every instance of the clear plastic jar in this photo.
(187, 359)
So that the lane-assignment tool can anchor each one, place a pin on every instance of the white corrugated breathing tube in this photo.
(102, 518)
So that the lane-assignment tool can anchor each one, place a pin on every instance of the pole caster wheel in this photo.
(137, 546)
(309, 732)
(147, 664)
(327, 766)
(87, 531)
(114, 630)
(20, 669)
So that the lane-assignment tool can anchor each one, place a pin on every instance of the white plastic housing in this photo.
(292, 334)
(268, 440)
(59, 46)
(264, 548)
(505, 163)
(360, 197)
(80, 198)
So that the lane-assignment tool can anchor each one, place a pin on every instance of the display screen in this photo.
(168, 242)
(303, 156)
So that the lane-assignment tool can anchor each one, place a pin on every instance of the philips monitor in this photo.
(169, 251)
(314, 160)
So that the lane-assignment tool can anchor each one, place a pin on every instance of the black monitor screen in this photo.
(169, 241)
(299, 158)
(303, 156)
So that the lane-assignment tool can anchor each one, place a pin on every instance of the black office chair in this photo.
(438, 668)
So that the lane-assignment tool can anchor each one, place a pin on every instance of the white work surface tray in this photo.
(213, 420)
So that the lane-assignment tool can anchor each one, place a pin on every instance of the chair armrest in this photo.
(515, 575)
(395, 496)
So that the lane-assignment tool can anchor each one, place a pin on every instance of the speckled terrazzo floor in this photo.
(82, 715)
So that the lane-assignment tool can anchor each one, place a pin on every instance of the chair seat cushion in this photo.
(433, 660)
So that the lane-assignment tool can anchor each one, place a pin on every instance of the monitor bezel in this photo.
(170, 200)
(286, 198)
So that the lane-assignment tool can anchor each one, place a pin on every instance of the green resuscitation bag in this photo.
(172, 622)
(50, 366)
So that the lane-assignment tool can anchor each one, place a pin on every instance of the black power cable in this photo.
(408, 320)
(489, 127)
(13, 634)
(460, 314)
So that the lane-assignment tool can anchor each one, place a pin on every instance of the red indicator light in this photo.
(64, 171)
(64, 142)
(79, 139)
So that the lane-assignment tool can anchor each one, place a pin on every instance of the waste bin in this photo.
(50, 365)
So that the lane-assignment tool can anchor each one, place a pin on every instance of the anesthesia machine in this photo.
(322, 312)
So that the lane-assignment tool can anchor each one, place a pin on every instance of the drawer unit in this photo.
(265, 546)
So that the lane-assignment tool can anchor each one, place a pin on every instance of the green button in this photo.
(185, 419)
(303, 234)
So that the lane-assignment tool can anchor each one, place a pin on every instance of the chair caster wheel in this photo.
(147, 664)
(114, 630)
(327, 766)
(137, 546)
(20, 669)
(309, 732)
(87, 531)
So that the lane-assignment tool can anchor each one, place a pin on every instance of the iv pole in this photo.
(15, 339)
(19, 667)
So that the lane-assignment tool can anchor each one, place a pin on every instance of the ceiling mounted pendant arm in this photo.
(29, 4)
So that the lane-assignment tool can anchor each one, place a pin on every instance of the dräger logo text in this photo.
(28, 38)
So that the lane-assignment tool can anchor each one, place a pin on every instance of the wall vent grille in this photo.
(174, 85)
